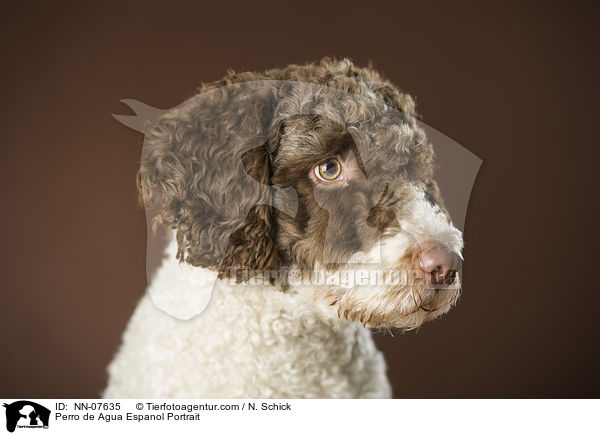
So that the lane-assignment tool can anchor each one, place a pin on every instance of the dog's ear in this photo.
(252, 246)
(205, 168)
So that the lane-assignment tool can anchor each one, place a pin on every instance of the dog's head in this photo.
(369, 240)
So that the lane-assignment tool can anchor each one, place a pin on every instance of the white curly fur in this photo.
(255, 340)
(251, 341)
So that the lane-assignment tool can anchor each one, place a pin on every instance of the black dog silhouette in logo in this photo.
(31, 411)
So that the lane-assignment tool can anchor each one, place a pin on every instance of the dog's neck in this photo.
(286, 334)
(197, 295)
(249, 341)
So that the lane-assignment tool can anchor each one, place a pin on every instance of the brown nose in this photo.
(439, 262)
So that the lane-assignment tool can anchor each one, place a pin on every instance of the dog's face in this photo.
(369, 216)
(370, 240)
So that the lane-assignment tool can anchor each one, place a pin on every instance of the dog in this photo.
(289, 294)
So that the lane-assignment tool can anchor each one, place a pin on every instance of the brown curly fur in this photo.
(272, 128)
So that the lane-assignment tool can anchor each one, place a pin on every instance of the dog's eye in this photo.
(329, 170)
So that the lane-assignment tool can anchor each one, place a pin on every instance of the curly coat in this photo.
(220, 170)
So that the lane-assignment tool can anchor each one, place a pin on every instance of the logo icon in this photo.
(26, 414)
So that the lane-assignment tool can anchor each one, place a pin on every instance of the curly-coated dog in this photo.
(368, 243)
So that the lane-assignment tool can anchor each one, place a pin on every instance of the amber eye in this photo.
(329, 170)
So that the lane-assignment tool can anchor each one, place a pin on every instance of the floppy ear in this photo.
(205, 168)
(251, 247)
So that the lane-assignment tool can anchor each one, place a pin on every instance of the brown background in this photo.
(516, 85)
